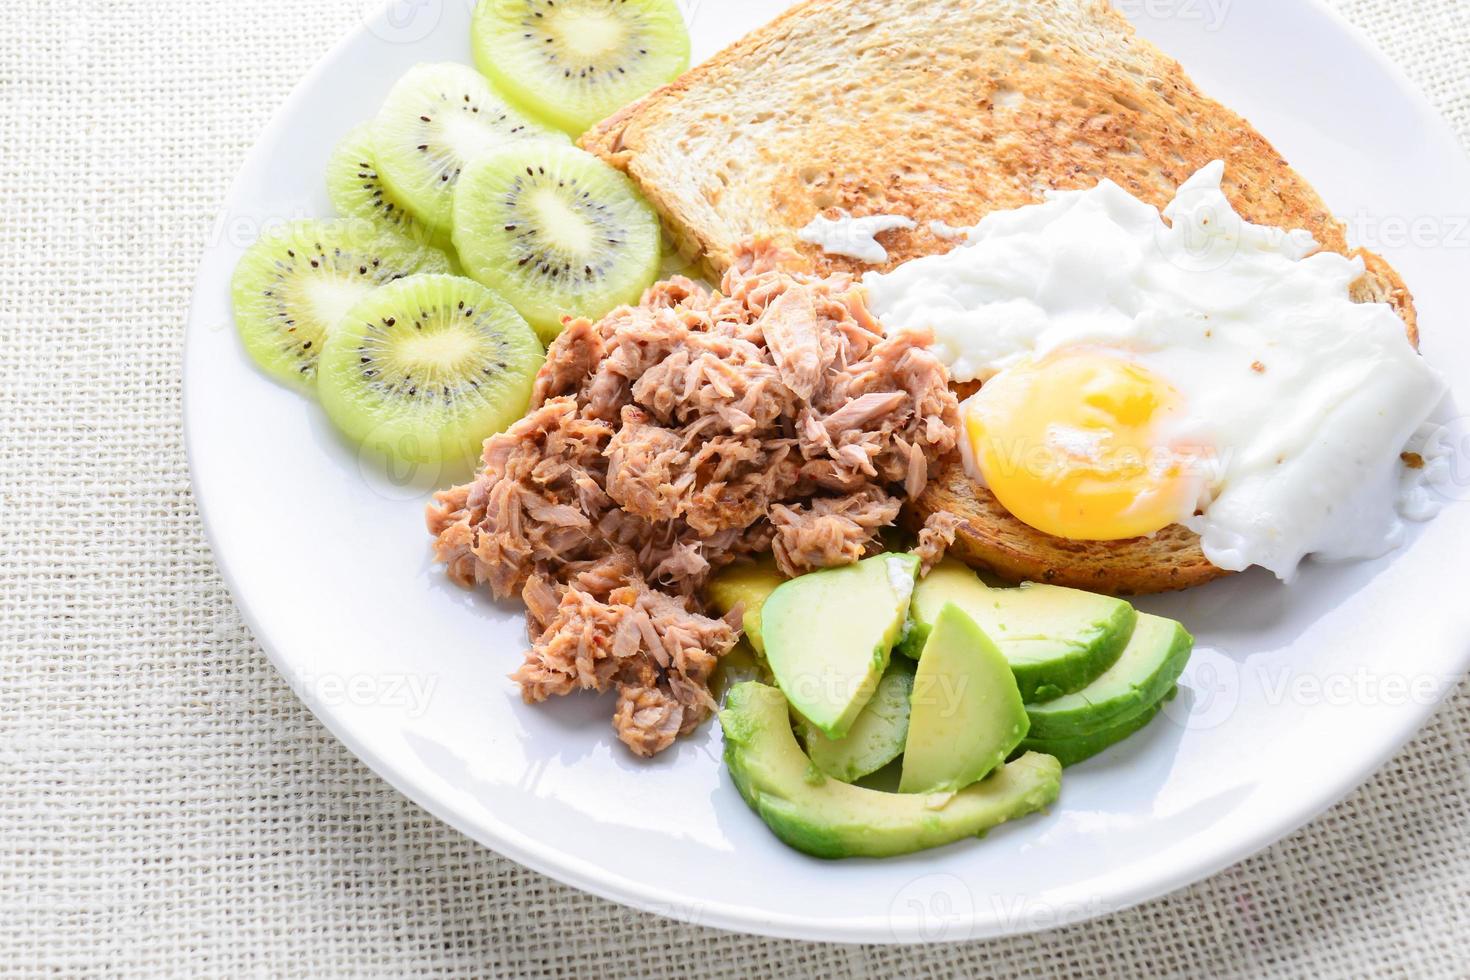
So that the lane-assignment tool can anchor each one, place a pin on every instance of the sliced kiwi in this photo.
(357, 191)
(575, 62)
(427, 368)
(295, 284)
(437, 118)
(555, 231)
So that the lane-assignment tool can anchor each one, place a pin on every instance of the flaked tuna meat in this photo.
(802, 350)
(830, 531)
(543, 600)
(647, 719)
(579, 649)
(936, 538)
(672, 438)
(861, 411)
(653, 648)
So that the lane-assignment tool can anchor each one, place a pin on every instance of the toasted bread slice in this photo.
(949, 111)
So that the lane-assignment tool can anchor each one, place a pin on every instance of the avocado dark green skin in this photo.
(830, 819)
(1089, 655)
(1085, 713)
(1071, 751)
(1041, 682)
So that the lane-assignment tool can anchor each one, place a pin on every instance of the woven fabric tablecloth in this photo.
(167, 805)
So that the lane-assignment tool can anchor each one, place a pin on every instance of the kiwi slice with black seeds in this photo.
(575, 62)
(358, 191)
(295, 284)
(427, 368)
(434, 121)
(557, 232)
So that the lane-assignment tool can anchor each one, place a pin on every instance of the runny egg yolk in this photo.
(1076, 445)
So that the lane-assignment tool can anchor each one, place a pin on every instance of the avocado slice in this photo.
(1150, 665)
(831, 819)
(878, 735)
(1080, 748)
(828, 636)
(1057, 640)
(966, 715)
(750, 583)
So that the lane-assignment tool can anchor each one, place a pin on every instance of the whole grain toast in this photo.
(948, 111)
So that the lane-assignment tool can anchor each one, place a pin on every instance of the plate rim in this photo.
(507, 841)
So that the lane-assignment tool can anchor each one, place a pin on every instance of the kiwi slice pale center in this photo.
(436, 355)
(559, 228)
(449, 353)
(330, 297)
(466, 136)
(562, 225)
(588, 35)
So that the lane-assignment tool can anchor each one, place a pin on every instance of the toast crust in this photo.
(947, 112)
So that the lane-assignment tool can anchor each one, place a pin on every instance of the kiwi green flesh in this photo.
(294, 285)
(358, 191)
(557, 232)
(572, 63)
(426, 368)
(435, 119)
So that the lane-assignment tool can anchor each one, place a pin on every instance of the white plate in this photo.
(1295, 696)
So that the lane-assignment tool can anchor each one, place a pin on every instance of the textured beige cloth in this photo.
(166, 804)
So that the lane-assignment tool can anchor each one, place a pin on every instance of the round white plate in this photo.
(1296, 694)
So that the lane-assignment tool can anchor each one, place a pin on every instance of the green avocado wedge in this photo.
(827, 818)
(828, 636)
(878, 735)
(966, 713)
(1070, 751)
(750, 584)
(1057, 640)
(1150, 666)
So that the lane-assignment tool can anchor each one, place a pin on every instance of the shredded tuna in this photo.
(673, 438)
(830, 531)
(800, 347)
(936, 538)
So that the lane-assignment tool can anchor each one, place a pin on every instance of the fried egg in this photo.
(1080, 444)
(1140, 373)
